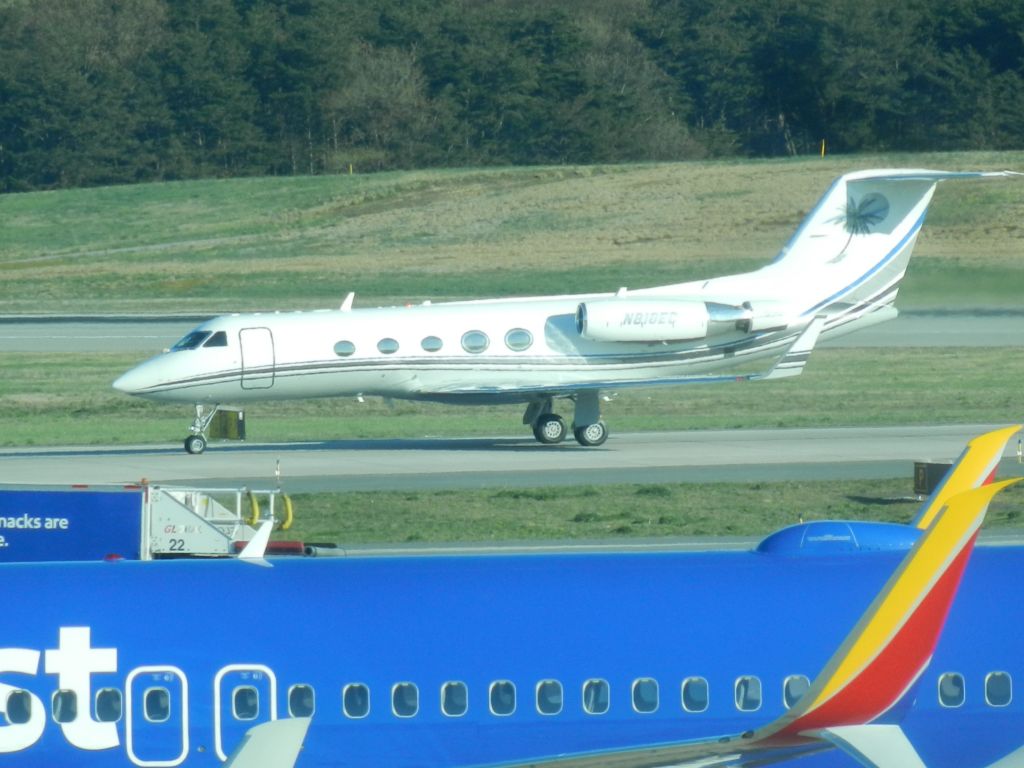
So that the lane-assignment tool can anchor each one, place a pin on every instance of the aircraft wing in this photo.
(274, 744)
(852, 703)
(791, 359)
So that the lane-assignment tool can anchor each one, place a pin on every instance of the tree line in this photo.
(115, 91)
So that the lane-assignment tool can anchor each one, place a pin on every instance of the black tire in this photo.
(591, 435)
(195, 444)
(549, 429)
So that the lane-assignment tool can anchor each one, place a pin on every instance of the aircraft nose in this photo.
(129, 382)
(154, 380)
(142, 378)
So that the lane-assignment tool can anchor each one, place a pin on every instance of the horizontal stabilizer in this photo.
(795, 358)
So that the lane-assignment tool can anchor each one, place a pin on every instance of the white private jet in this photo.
(840, 272)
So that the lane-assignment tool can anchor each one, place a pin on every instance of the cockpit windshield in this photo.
(191, 341)
(219, 339)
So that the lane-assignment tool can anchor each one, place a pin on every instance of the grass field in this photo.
(278, 243)
(281, 243)
(584, 513)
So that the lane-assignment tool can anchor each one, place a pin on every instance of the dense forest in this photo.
(111, 91)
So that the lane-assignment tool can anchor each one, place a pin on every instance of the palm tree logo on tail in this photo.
(858, 218)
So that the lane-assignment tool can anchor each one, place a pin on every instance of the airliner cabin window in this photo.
(344, 348)
(219, 339)
(301, 701)
(951, 689)
(475, 342)
(549, 697)
(431, 344)
(645, 695)
(387, 346)
(405, 700)
(65, 706)
(748, 693)
(191, 341)
(503, 697)
(595, 697)
(518, 339)
(356, 700)
(19, 707)
(108, 705)
(454, 699)
(157, 705)
(793, 687)
(998, 689)
(246, 702)
(695, 694)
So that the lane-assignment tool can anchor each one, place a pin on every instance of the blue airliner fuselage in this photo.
(476, 660)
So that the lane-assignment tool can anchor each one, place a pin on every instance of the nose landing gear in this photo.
(195, 443)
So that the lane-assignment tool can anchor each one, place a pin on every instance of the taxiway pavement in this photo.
(420, 464)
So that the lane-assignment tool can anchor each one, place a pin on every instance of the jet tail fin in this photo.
(975, 467)
(871, 672)
(856, 243)
(891, 645)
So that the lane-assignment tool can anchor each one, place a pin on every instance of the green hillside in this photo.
(302, 242)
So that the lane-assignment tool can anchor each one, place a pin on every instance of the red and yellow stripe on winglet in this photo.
(894, 640)
(975, 467)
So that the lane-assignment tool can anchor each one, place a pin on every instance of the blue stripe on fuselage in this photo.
(871, 272)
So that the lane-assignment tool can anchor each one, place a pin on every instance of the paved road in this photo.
(651, 457)
(969, 328)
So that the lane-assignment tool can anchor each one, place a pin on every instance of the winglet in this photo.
(878, 746)
(795, 358)
(255, 550)
(274, 744)
(894, 640)
(974, 468)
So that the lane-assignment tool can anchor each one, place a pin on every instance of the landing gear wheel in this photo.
(195, 444)
(591, 434)
(549, 429)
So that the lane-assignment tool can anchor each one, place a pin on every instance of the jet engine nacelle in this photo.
(664, 320)
(623, 319)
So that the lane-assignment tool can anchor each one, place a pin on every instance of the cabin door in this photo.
(257, 358)
(245, 695)
(156, 716)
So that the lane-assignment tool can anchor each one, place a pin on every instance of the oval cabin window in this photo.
(475, 342)
(387, 346)
(518, 339)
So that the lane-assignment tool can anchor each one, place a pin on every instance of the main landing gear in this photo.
(550, 428)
